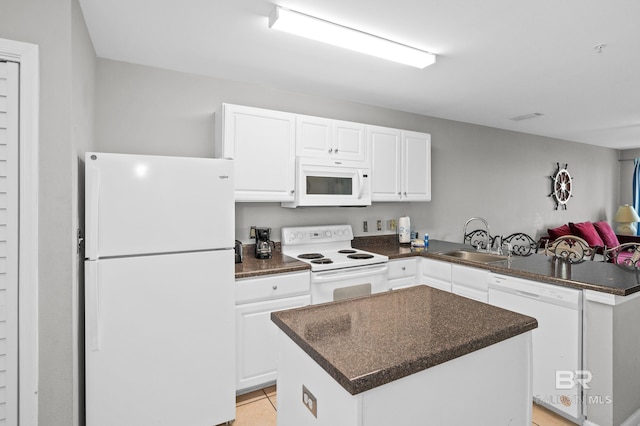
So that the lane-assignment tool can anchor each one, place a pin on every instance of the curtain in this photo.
(636, 186)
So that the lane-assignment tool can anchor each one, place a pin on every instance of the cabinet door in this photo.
(262, 143)
(256, 341)
(313, 137)
(416, 166)
(349, 141)
(435, 274)
(385, 146)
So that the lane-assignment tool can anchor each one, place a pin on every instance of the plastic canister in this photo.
(426, 240)
(404, 229)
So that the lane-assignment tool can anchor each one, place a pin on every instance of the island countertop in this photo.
(367, 342)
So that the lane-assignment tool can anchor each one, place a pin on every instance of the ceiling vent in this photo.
(527, 116)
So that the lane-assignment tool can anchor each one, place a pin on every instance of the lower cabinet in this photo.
(256, 335)
(402, 273)
(470, 282)
(435, 273)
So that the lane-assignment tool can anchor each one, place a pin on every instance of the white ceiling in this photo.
(496, 58)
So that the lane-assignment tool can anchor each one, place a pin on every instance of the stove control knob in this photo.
(292, 236)
(327, 234)
(299, 235)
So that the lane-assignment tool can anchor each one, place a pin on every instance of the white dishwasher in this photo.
(557, 342)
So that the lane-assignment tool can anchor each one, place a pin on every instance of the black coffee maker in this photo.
(264, 245)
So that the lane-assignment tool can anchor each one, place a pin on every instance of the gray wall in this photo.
(626, 175)
(477, 171)
(66, 124)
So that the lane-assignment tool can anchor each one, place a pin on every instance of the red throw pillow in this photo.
(555, 233)
(607, 234)
(587, 232)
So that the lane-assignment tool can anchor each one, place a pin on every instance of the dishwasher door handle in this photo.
(527, 294)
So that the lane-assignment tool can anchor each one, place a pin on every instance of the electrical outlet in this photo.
(309, 401)
(379, 225)
(365, 226)
(252, 232)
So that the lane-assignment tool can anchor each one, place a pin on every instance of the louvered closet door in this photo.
(9, 73)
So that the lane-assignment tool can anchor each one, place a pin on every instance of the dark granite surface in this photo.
(366, 342)
(278, 264)
(591, 275)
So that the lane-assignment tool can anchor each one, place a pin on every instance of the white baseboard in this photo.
(633, 420)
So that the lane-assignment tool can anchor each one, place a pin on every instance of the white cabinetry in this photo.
(332, 139)
(256, 335)
(402, 273)
(470, 282)
(435, 273)
(262, 143)
(400, 164)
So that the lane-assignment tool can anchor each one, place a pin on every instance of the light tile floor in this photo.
(258, 408)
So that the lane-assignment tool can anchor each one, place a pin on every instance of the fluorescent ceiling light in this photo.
(348, 38)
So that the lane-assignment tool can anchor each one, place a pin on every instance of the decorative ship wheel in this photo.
(561, 187)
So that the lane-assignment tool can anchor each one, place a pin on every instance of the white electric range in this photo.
(338, 271)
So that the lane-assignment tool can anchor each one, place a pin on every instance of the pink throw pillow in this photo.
(555, 233)
(587, 232)
(607, 234)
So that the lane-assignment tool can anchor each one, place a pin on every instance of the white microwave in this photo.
(325, 182)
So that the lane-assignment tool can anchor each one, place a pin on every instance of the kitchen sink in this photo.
(475, 256)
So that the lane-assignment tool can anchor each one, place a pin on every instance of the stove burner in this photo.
(346, 251)
(322, 261)
(360, 256)
(310, 256)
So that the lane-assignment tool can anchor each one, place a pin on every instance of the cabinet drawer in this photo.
(402, 268)
(272, 287)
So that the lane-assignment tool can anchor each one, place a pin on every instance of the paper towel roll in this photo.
(404, 229)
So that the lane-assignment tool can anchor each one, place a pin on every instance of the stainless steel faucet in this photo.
(486, 225)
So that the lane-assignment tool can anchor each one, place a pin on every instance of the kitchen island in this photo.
(417, 355)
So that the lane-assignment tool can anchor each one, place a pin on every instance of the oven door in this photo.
(339, 284)
(331, 183)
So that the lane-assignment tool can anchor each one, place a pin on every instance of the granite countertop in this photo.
(590, 275)
(366, 342)
(278, 264)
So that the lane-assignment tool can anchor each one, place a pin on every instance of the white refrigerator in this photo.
(159, 290)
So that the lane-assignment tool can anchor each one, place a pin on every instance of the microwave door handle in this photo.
(360, 183)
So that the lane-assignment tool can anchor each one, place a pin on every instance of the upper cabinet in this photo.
(333, 139)
(262, 143)
(400, 164)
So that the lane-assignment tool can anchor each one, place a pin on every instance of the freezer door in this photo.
(138, 204)
(159, 336)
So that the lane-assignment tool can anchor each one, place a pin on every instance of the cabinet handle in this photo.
(336, 150)
(292, 191)
(275, 287)
(404, 268)
(405, 193)
(330, 150)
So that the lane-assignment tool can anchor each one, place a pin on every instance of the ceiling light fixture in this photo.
(327, 32)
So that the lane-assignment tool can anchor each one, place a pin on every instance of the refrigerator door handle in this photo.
(92, 307)
(92, 202)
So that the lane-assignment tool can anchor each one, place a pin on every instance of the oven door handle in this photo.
(341, 274)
